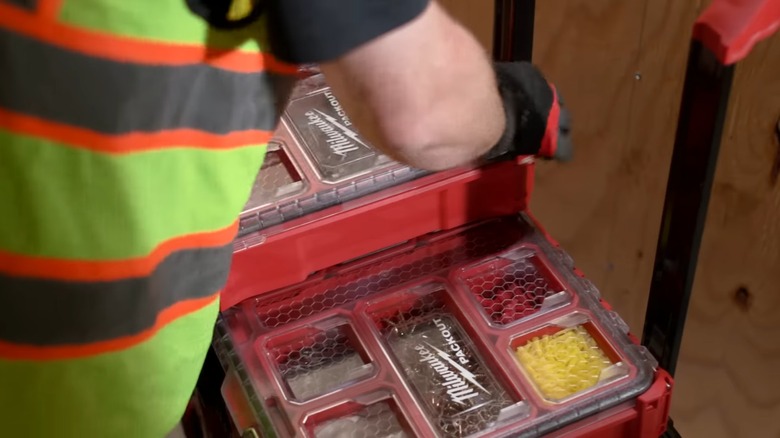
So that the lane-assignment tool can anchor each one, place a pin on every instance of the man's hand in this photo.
(425, 93)
(537, 123)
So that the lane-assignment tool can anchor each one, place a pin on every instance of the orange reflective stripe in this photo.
(170, 314)
(126, 49)
(81, 138)
(54, 313)
(49, 9)
(109, 270)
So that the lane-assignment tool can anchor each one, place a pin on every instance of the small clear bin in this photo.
(318, 359)
(456, 387)
(514, 286)
(279, 178)
(332, 144)
(381, 419)
(567, 358)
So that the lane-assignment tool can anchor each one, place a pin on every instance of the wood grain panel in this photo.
(589, 50)
(639, 181)
(727, 380)
(621, 66)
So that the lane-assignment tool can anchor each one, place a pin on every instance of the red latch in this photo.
(730, 28)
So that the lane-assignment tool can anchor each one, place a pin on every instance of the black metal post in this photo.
(513, 31)
(671, 432)
(700, 125)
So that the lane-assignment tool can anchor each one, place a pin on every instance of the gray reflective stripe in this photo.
(48, 313)
(26, 4)
(110, 97)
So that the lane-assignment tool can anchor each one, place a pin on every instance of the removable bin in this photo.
(317, 359)
(381, 419)
(458, 390)
(514, 286)
(332, 144)
(568, 358)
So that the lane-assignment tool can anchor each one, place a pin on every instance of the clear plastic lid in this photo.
(329, 139)
(456, 388)
(484, 330)
(316, 160)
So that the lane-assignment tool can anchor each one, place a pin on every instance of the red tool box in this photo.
(362, 304)
(371, 299)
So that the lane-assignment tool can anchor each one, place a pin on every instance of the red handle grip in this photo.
(730, 28)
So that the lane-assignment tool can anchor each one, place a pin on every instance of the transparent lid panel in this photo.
(317, 360)
(330, 140)
(316, 160)
(457, 389)
(377, 420)
(485, 330)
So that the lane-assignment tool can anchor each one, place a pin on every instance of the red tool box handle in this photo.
(730, 28)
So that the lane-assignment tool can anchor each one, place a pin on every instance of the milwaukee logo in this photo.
(339, 137)
(450, 341)
(334, 103)
(460, 384)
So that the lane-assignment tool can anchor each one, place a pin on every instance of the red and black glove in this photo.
(537, 123)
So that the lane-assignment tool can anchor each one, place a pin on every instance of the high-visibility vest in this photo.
(130, 134)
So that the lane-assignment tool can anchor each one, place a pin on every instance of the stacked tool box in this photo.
(369, 299)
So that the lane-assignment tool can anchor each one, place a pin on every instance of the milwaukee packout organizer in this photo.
(371, 299)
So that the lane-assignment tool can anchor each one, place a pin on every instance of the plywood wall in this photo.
(729, 372)
(620, 66)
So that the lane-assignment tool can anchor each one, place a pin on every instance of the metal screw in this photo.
(743, 298)
(638, 76)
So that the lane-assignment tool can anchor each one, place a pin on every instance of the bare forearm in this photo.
(425, 93)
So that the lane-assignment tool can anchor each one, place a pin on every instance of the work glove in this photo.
(537, 123)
